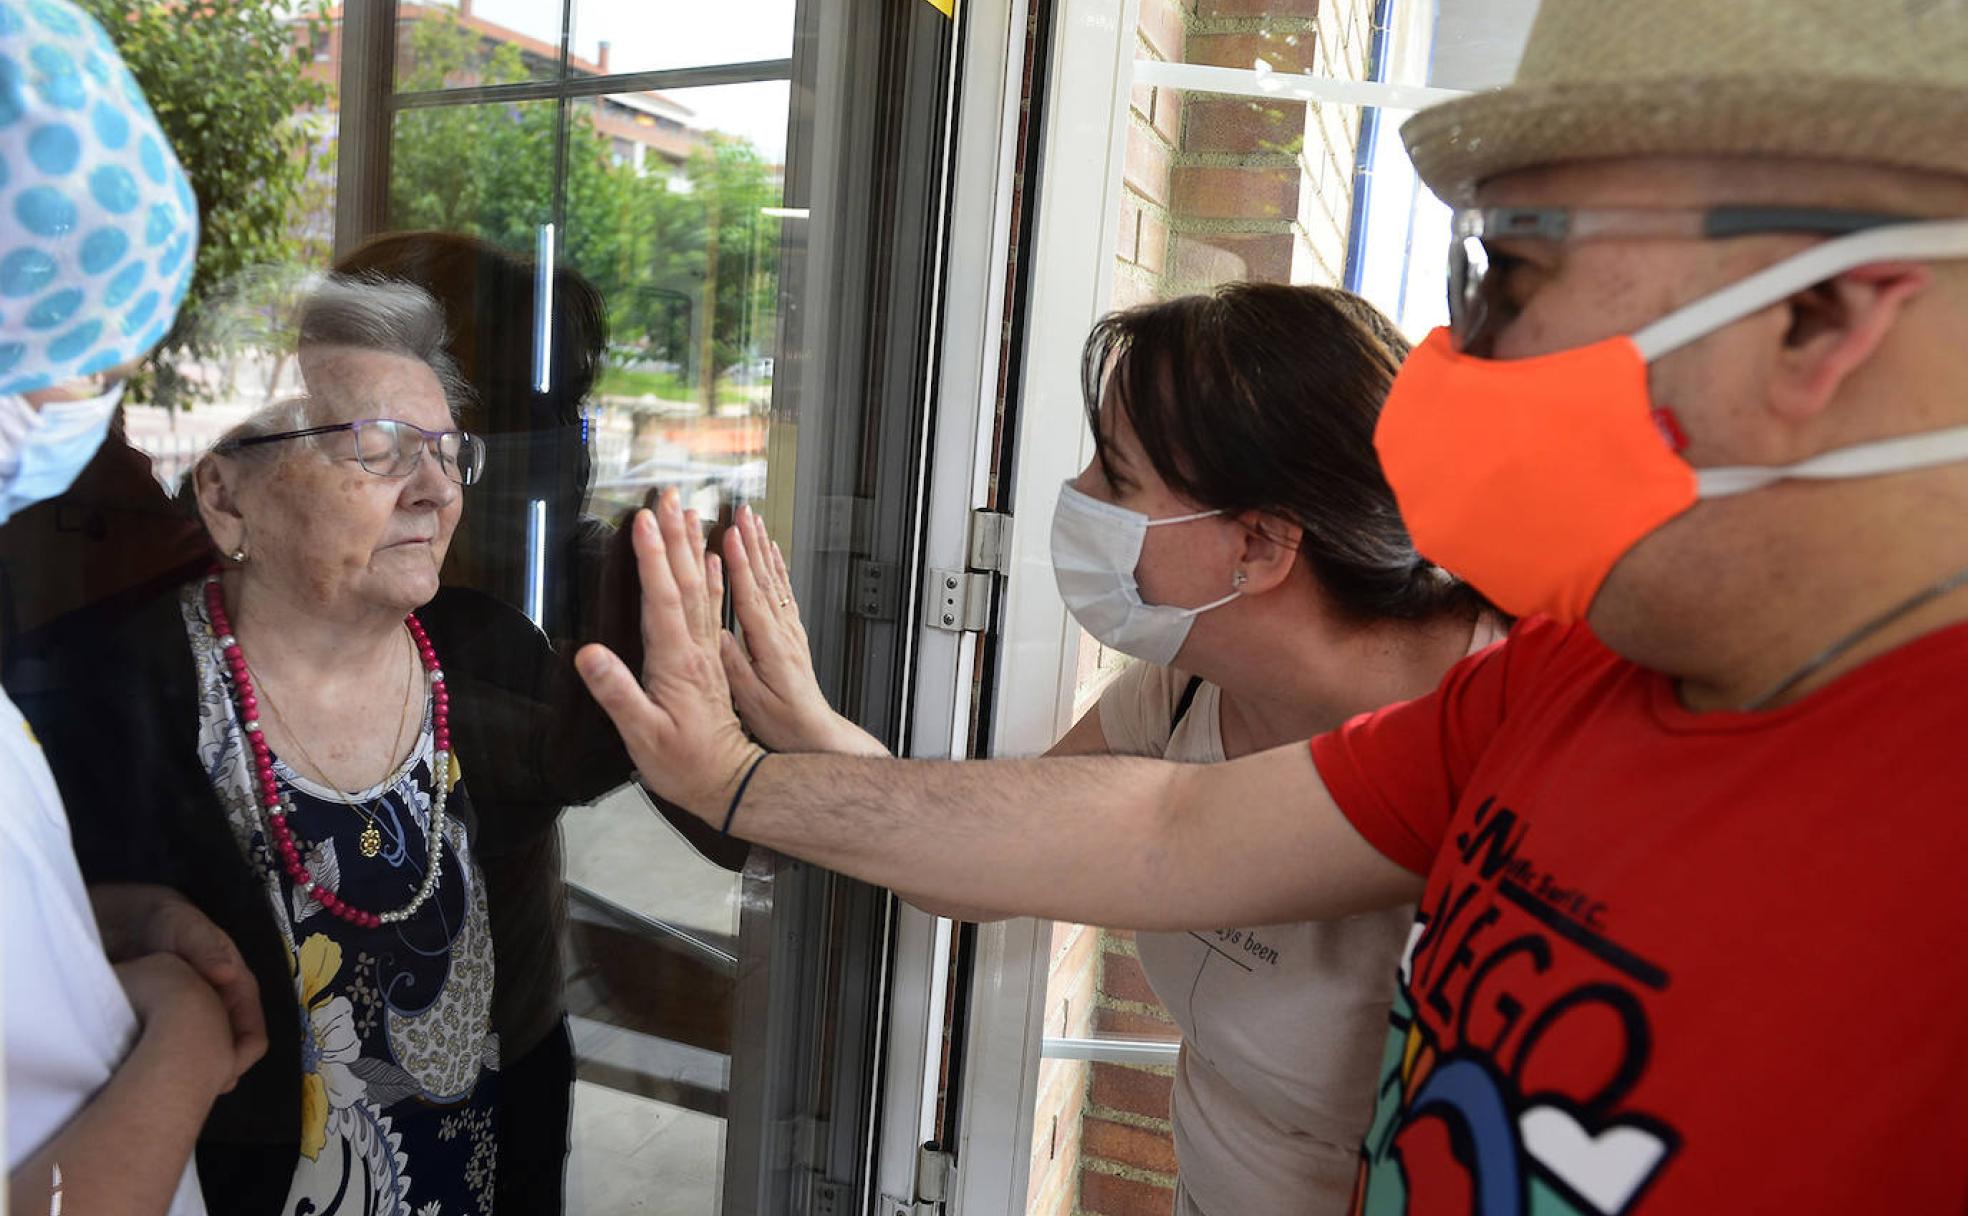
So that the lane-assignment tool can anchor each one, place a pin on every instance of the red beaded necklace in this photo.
(275, 805)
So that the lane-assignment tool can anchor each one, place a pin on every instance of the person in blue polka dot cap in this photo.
(108, 1070)
(98, 226)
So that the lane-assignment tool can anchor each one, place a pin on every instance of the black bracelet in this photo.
(732, 813)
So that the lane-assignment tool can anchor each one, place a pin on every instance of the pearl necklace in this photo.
(274, 805)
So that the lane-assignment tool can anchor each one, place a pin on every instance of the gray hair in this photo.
(366, 312)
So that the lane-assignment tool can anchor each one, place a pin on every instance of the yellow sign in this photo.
(947, 7)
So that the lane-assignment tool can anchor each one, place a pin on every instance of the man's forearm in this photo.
(962, 831)
(1113, 840)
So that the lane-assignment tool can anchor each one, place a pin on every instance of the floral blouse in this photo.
(399, 1088)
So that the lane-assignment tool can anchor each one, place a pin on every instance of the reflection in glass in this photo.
(463, 46)
(484, 170)
(685, 245)
(649, 35)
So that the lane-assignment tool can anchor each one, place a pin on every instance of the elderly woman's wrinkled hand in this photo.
(771, 672)
(677, 721)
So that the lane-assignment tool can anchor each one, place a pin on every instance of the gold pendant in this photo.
(371, 841)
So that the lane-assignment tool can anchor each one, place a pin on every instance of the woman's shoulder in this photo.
(488, 647)
(1139, 704)
(130, 642)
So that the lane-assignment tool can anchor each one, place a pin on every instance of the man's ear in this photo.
(1270, 550)
(213, 482)
(1834, 328)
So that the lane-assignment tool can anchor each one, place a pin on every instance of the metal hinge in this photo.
(959, 601)
(934, 1169)
(990, 541)
(829, 1198)
(871, 589)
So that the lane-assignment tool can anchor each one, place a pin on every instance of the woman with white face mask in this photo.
(1234, 534)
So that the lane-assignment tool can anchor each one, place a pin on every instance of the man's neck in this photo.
(1849, 571)
(1895, 620)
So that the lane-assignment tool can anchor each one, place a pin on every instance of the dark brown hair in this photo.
(1263, 397)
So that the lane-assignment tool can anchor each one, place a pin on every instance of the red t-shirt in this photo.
(1670, 962)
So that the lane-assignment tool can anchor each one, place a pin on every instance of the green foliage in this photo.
(736, 188)
(487, 170)
(227, 82)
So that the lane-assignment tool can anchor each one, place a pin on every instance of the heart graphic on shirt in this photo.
(1416, 932)
(1607, 1169)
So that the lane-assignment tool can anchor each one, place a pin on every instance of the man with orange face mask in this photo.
(1686, 846)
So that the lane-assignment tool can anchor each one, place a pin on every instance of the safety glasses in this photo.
(1481, 303)
(391, 448)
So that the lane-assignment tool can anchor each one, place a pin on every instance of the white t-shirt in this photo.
(1282, 1027)
(64, 1019)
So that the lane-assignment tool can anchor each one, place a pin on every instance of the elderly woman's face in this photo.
(336, 534)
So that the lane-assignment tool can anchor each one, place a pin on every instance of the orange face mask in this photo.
(1531, 478)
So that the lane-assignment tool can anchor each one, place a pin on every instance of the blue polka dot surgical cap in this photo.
(98, 226)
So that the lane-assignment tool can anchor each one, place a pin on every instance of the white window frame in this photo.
(991, 46)
(1085, 117)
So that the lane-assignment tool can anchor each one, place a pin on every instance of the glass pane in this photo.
(653, 931)
(651, 925)
(483, 170)
(593, 286)
(462, 45)
(1477, 43)
(648, 35)
(681, 229)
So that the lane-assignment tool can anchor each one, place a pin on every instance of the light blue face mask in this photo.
(55, 445)
(97, 246)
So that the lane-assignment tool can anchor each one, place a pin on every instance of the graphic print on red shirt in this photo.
(1669, 962)
(1531, 975)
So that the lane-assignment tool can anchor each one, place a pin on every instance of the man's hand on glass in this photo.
(677, 719)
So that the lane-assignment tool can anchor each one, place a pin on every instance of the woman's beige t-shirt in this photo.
(1282, 1026)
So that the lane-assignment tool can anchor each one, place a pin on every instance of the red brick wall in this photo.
(1127, 1152)
(1222, 188)
(1054, 1178)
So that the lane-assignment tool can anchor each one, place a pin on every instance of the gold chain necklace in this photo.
(371, 840)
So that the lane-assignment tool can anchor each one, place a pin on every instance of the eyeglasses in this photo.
(1480, 302)
(390, 448)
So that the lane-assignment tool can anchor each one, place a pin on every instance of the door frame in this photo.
(1079, 158)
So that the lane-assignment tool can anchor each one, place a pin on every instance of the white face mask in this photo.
(43, 452)
(1095, 548)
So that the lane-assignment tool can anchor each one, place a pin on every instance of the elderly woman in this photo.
(303, 742)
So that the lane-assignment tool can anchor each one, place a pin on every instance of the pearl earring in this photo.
(238, 556)
(1238, 579)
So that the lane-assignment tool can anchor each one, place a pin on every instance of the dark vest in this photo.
(115, 706)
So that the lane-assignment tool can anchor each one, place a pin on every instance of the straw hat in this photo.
(1877, 81)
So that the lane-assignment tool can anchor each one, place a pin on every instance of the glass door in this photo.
(675, 247)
